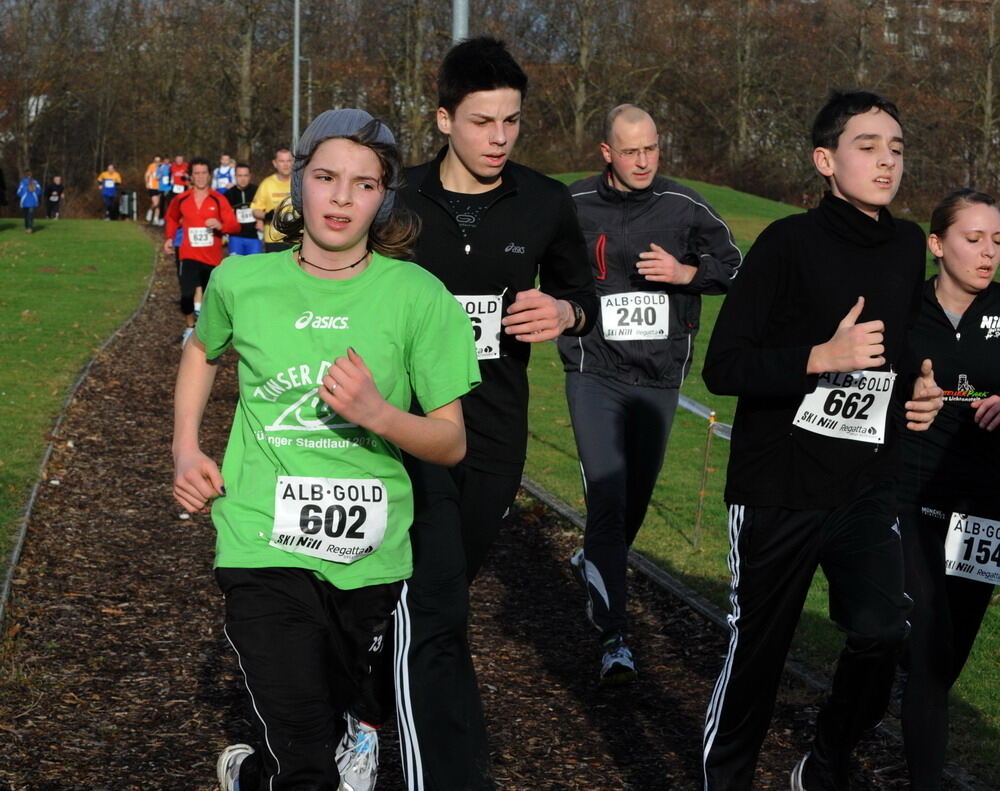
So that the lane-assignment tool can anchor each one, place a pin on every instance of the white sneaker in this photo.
(357, 756)
(227, 768)
(617, 664)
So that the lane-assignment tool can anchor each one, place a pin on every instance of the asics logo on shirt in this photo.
(514, 248)
(310, 319)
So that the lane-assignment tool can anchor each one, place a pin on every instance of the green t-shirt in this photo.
(303, 485)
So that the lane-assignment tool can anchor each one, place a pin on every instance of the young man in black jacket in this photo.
(655, 246)
(491, 227)
(809, 338)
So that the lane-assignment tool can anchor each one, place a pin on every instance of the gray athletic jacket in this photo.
(617, 227)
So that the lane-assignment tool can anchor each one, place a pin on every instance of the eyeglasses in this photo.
(633, 153)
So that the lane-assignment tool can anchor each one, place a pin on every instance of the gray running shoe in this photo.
(227, 768)
(617, 664)
(357, 756)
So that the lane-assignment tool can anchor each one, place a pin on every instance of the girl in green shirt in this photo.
(312, 504)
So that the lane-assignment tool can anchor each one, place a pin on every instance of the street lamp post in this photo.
(295, 76)
(459, 20)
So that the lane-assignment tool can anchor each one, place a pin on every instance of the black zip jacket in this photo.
(617, 226)
(799, 280)
(955, 465)
(240, 199)
(529, 231)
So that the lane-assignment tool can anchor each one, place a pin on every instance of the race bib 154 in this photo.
(972, 548)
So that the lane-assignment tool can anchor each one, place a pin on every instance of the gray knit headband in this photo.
(339, 123)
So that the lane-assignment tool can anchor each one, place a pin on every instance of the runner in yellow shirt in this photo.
(153, 190)
(109, 181)
(270, 193)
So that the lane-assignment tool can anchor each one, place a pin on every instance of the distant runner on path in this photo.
(53, 198)
(240, 197)
(655, 246)
(108, 182)
(202, 215)
(271, 193)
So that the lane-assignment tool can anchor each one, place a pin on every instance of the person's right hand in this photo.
(168, 245)
(853, 347)
(987, 412)
(196, 481)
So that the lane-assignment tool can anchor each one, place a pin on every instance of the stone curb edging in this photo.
(22, 528)
(965, 780)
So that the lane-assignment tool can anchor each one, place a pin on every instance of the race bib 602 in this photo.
(336, 519)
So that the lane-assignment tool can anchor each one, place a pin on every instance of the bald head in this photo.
(628, 113)
(630, 147)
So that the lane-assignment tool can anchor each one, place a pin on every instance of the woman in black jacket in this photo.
(950, 500)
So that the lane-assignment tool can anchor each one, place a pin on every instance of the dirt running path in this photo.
(115, 675)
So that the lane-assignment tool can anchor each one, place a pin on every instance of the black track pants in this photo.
(621, 435)
(774, 553)
(307, 651)
(947, 612)
(439, 713)
(484, 499)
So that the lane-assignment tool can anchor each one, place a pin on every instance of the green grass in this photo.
(64, 289)
(668, 535)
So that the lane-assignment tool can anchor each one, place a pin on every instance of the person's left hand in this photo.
(535, 316)
(348, 388)
(659, 266)
(987, 412)
(927, 400)
(213, 223)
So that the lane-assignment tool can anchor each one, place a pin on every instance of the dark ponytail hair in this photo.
(396, 235)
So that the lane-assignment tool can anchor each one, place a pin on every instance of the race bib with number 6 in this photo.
(485, 312)
(636, 316)
(336, 519)
(972, 548)
(848, 406)
(200, 237)
(244, 216)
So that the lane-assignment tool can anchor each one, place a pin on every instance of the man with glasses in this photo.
(655, 247)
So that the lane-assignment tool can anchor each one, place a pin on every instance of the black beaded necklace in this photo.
(302, 260)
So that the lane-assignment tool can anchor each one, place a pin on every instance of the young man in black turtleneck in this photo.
(808, 339)
(655, 246)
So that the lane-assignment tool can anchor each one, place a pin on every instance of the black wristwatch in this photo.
(578, 316)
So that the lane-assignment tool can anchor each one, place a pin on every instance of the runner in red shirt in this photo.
(203, 215)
